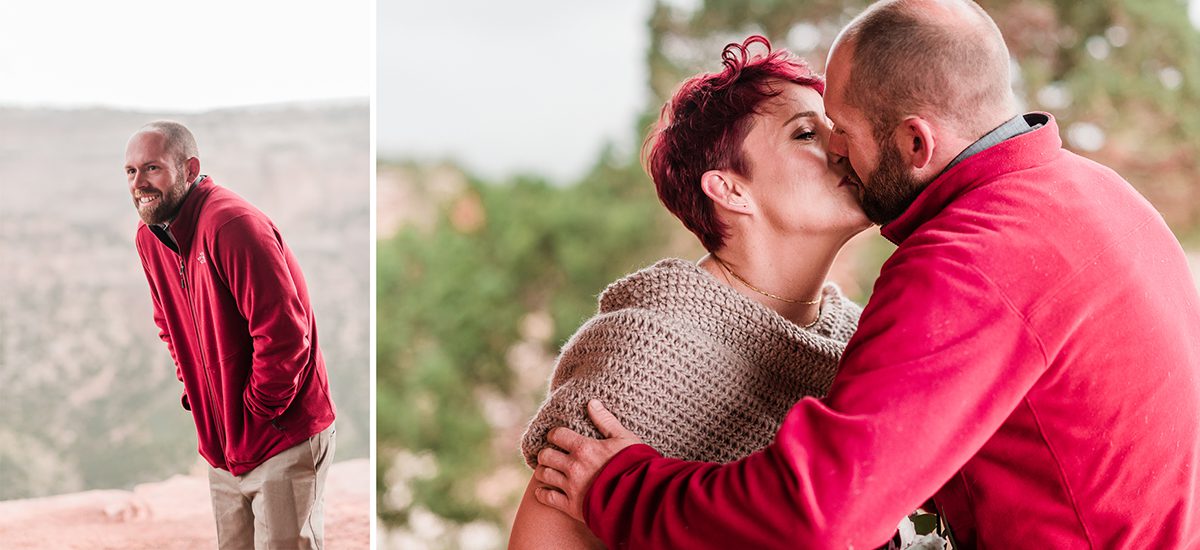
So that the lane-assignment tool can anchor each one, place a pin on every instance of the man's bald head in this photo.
(180, 141)
(160, 163)
(937, 58)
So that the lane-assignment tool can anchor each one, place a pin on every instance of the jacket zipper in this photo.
(212, 392)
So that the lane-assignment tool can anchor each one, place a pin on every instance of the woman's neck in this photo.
(786, 276)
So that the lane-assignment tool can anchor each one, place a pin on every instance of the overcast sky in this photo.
(533, 85)
(183, 56)
(504, 87)
(523, 85)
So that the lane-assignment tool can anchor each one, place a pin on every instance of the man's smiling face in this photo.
(157, 179)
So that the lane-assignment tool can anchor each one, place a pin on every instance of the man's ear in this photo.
(193, 168)
(916, 140)
(726, 191)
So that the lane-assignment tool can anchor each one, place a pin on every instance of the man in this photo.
(232, 306)
(1029, 358)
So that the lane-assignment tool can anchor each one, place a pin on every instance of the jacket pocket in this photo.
(248, 438)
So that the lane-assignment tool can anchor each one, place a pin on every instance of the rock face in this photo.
(88, 394)
(168, 515)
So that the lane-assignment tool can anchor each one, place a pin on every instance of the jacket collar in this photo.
(1027, 150)
(183, 227)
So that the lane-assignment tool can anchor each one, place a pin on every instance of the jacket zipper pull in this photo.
(182, 278)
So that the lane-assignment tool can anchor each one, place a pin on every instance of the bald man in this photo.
(232, 306)
(1029, 358)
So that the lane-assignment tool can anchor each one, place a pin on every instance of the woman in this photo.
(704, 360)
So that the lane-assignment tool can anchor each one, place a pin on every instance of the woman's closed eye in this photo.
(805, 135)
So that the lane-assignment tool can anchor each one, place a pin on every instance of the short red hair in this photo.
(703, 125)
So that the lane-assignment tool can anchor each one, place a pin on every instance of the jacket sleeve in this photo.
(160, 321)
(254, 262)
(939, 361)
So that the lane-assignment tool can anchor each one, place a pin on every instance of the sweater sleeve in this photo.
(937, 336)
(255, 266)
(614, 358)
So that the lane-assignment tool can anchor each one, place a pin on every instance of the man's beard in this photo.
(891, 189)
(165, 208)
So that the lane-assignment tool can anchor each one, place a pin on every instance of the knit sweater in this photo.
(697, 370)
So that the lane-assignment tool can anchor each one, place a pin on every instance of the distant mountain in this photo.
(88, 396)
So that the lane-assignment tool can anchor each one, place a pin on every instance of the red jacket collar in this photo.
(184, 224)
(1024, 151)
(183, 227)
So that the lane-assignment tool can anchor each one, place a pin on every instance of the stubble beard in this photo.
(891, 189)
(168, 205)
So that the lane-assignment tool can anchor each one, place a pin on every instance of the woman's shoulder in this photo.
(644, 315)
(611, 342)
(632, 360)
(655, 286)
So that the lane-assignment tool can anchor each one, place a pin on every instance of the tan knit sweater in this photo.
(697, 370)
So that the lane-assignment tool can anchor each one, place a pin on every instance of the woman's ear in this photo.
(726, 191)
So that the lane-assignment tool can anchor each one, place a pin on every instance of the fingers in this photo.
(553, 499)
(553, 458)
(551, 477)
(608, 424)
(566, 438)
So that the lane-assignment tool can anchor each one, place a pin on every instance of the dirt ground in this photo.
(168, 515)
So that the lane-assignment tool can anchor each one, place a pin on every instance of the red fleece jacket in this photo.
(231, 304)
(1030, 357)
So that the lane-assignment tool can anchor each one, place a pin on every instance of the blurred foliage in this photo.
(451, 298)
(453, 291)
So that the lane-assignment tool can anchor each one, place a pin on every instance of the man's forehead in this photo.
(145, 146)
(148, 135)
(832, 98)
(839, 52)
(836, 78)
(146, 141)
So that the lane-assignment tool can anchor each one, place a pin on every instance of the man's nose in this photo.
(839, 164)
(137, 180)
(837, 147)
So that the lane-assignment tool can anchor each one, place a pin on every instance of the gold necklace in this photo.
(765, 293)
(817, 319)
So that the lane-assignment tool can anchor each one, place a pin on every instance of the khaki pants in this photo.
(279, 504)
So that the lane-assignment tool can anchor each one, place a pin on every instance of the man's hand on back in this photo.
(568, 475)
